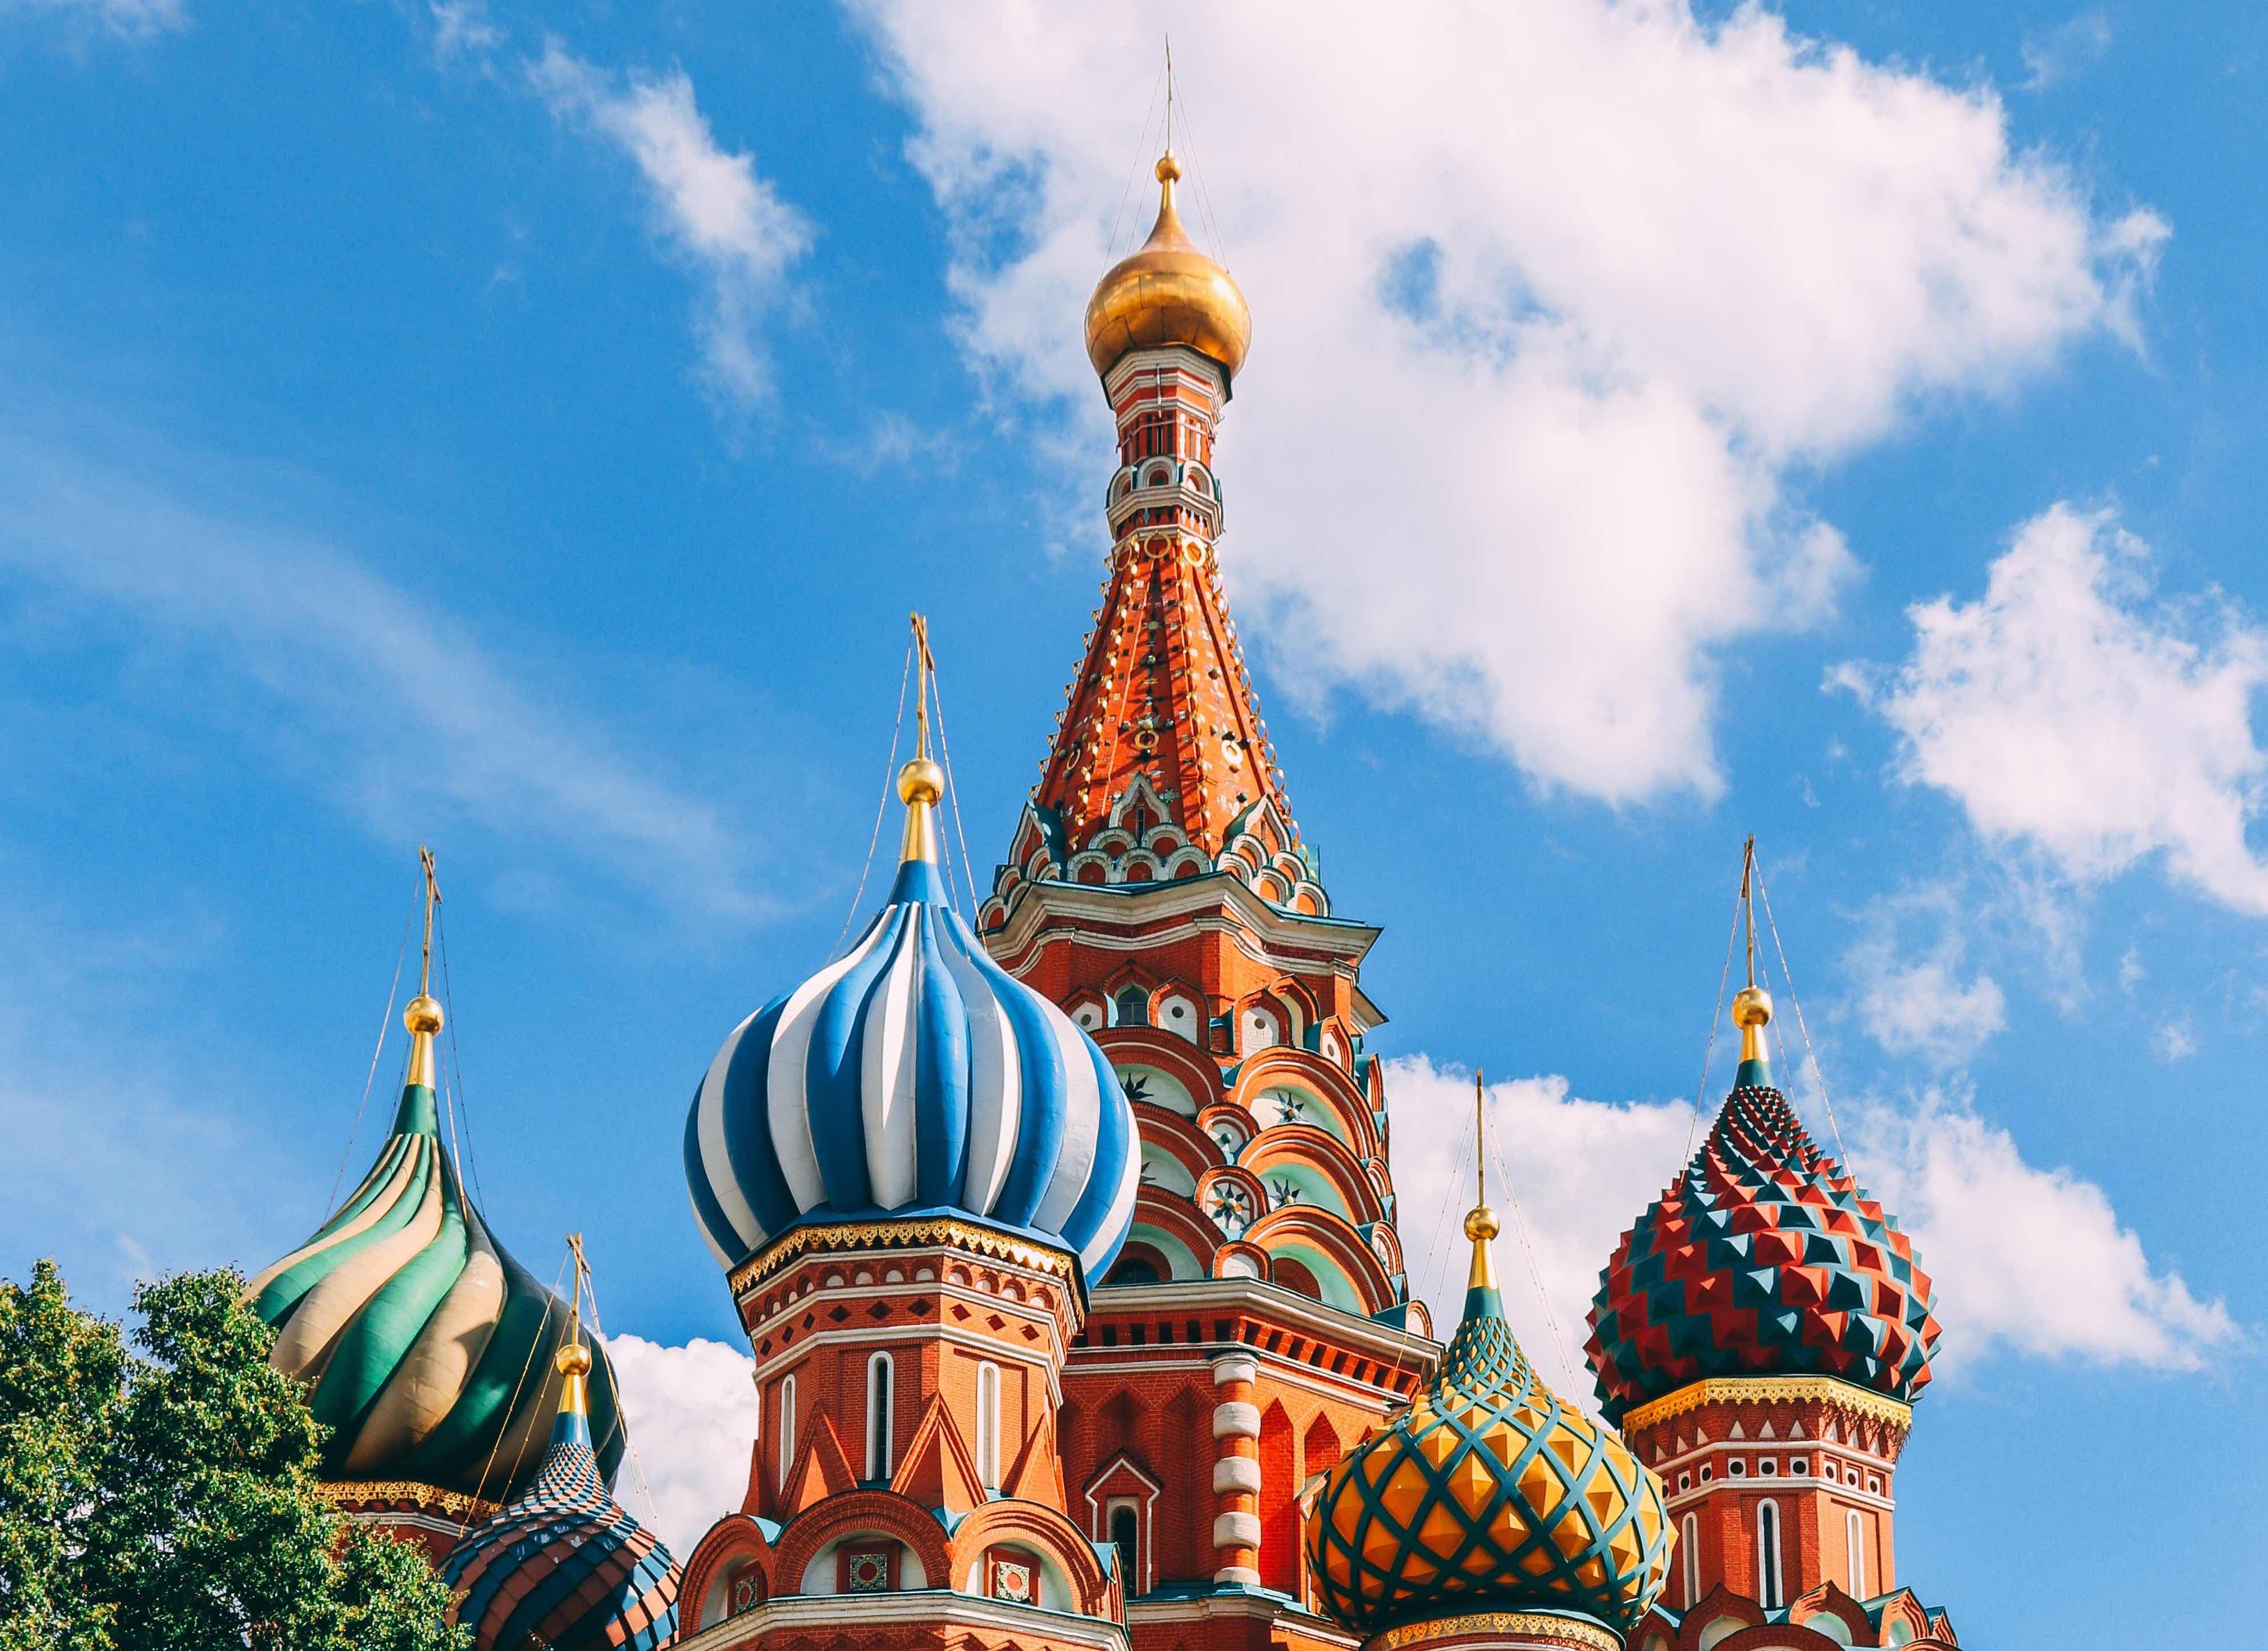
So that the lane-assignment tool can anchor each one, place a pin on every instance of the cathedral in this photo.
(1066, 1240)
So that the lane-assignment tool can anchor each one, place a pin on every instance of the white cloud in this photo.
(392, 703)
(2026, 1260)
(691, 1411)
(1916, 1002)
(128, 20)
(463, 31)
(1548, 301)
(2175, 1040)
(2067, 50)
(2032, 1259)
(711, 208)
(2071, 714)
(2130, 972)
(1922, 1007)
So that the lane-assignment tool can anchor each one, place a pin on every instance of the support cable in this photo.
(370, 1078)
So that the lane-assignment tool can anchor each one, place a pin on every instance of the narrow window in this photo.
(1768, 1555)
(1688, 1537)
(1856, 1539)
(1133, 1007)
(988, 1424)
(877, 1416)
(1125, 1524)
(787, 1427)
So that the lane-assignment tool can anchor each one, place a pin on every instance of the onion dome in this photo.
(415, 1329)
(913, 1076)
(563, 1568)
(1490, 1493)
(1762, 1258)
(1167, 292)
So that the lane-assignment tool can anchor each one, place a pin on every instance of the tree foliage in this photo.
(162, 1497)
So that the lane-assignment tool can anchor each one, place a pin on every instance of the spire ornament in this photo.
(423, 1016)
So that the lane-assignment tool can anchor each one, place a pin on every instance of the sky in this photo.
(525, 430)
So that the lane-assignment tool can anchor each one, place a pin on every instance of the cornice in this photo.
(917, 1232)
(356, 1494)
(1286, 942)
(916, 1608)
(1498, 1624)
(1768, 1391)
(1268, 1304)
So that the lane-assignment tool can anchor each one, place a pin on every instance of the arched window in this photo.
(988, 1424)
(1688, 1537)
(880, 1391)
(1768, 1571)
(1855, 1529)
(787, 1427)
(1133, 1006)
(1125, 1529)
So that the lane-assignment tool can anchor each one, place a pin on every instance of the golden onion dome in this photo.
(1167, 292)
(1491, 1494)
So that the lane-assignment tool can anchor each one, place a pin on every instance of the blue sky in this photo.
(524, 430)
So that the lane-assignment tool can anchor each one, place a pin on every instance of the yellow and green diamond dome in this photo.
(1490, 1493)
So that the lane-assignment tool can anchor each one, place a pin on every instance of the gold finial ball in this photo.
(574, 1358)
(1480, 1224)
(1169, 170)
(423, 1014)
(920, 780)
(1752, 1005)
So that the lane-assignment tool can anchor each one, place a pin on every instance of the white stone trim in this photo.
(1236, 1420)
(1232, 1474)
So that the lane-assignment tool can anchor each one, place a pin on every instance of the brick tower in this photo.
(1258, 1323)
(1760, 1337)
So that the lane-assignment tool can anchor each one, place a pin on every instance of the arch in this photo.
(988, 1424)
(1180, 1012)
(1164, 1170)
(882, 1415)
(1232, 1199)
(736, 1544)
(1770, 1558)
(1172, 1225)
(856, 1514)
(1036, 1526)
(1260, 1025)
(787, 1425)
(1319, 1165)
(1289, 1273)
(1330, 1248)
(1688, 1537)
(1138, 1263)
(1130, 1006)
(1156, 1086)
(1330, 1089)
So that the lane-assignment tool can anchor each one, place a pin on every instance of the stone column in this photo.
(1236, 1471)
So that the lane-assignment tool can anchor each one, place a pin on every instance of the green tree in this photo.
(163, 1498)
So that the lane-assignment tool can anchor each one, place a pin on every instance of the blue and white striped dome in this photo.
(913, 1075)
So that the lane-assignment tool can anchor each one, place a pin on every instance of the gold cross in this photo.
(432, 899)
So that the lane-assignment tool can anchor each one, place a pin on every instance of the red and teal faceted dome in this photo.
(1762, 1257)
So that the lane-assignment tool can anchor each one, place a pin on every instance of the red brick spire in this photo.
(1163, 693)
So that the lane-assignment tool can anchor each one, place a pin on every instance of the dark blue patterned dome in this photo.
(563, 1568)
